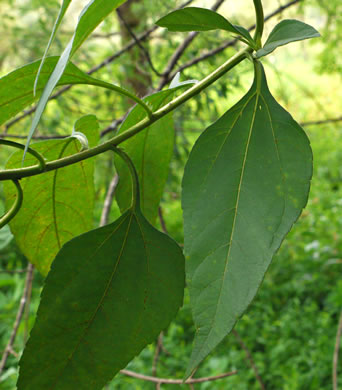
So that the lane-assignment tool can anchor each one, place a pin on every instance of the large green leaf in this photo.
(151, 151)
(109, 293)
(57, 205)
(200, 19)
(245, 184)
(61, 13)
(16, 88)
(91, 16)
(287, 31)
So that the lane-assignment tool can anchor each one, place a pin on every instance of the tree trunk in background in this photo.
(137, 71)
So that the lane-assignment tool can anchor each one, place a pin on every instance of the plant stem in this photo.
(259, 13)
(12, 174)
(176, 381)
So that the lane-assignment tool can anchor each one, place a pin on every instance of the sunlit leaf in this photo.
(200, 19)
(109, 293)
(57, 205)
(285, 32)
(91, 16)
(16, 88)
(245, 184)
(151, 151)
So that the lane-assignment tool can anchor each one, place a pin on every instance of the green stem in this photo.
(187, 95)
(258, 74)
(134, 176)
(259, 29)
(41, 166)
(12, 212)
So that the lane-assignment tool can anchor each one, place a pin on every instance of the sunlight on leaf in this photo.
(49, 215)
(151, 151)
(16, 87)
(91, 16)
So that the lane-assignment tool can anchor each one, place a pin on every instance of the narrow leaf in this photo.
(57, 205)
(151, 151)
(245, 184)
(109, 293)
(285, 32)
(200, 19)
(62, 11)
(91, 16)
(16, 91)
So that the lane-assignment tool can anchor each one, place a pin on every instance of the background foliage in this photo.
(290, 328)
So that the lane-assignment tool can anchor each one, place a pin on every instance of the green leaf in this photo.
(200, 19)
(245, 183)
(62, 11)
(16, 88)
(91, 16)
(5, 237)
(109, 293)
(285, 32)
(5, 233)
(57, 205)
(151, 151)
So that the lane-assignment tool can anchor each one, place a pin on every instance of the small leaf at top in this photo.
(245, 184)
(200, 19)
(50, 215)
(91, 16)
(285, 32)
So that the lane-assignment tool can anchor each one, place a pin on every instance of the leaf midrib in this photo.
(236, 207)
(238, 115)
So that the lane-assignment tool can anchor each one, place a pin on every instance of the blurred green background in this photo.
(290, 328)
